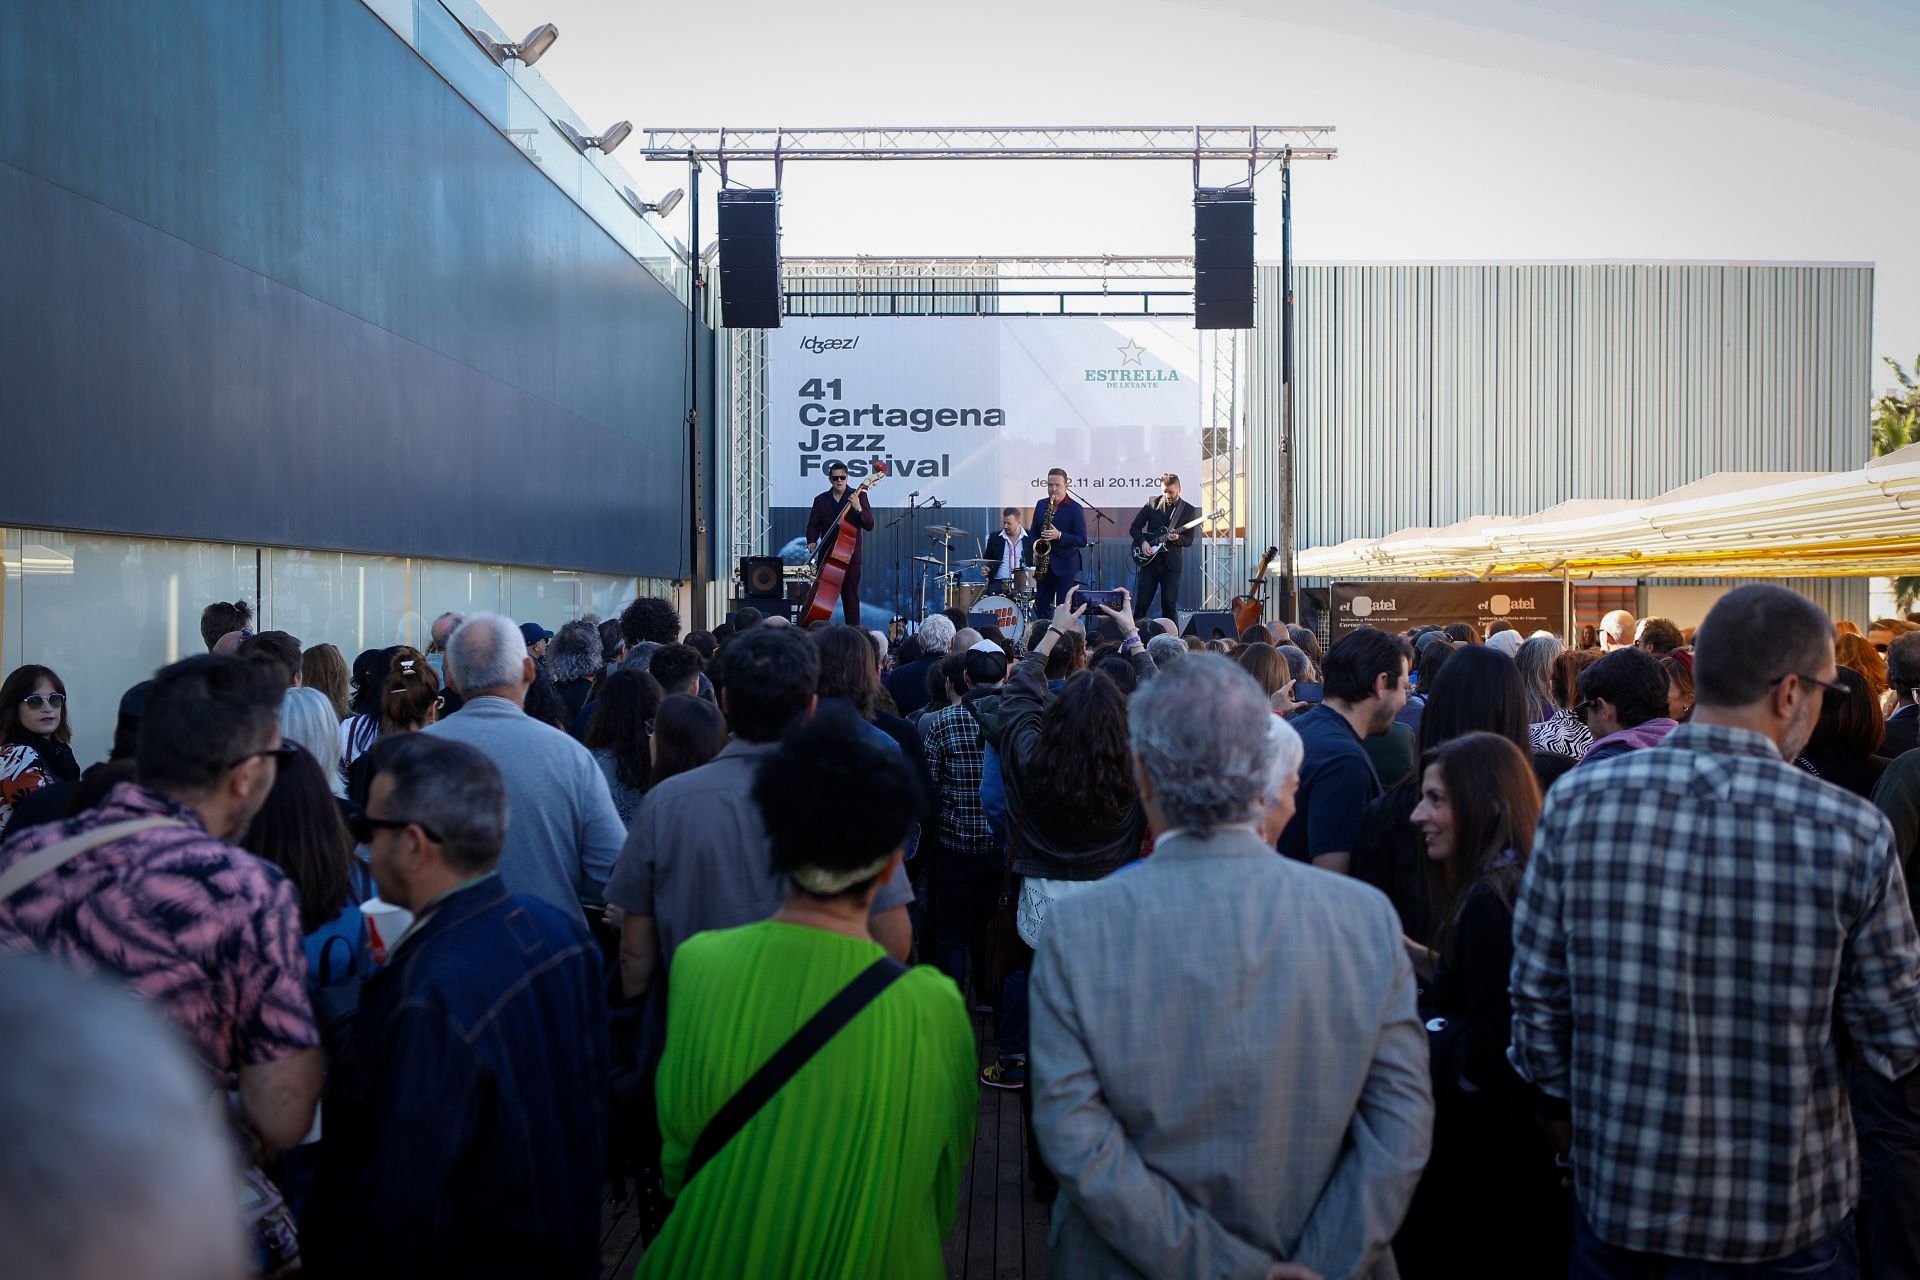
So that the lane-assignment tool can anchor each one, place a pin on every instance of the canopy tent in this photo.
(1731, 524)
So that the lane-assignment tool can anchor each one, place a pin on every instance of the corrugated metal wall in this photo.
(1427, 394)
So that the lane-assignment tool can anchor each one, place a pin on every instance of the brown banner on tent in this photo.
(1401, 606)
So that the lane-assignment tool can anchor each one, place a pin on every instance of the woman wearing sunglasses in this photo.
(33, 736)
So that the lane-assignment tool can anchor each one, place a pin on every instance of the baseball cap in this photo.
(533, 633)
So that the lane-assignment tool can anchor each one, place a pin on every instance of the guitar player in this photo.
(1162, 516)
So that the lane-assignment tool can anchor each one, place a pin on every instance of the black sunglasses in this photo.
(1580, 709)
(38, 700)
(363, 825)
(1831, 691)
(284, 751)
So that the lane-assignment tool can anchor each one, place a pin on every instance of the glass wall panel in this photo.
(545, 596)
(448, 586)
(397, 14)
(443, 41)
(106, 613)
(352, 602)
(606, 596)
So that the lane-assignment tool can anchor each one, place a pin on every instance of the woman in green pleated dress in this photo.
(852, 1168)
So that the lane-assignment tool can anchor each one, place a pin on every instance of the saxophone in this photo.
(1042, 545)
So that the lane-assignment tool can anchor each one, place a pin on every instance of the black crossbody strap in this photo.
(788, 1059)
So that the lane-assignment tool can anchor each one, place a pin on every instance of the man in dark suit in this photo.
(1903, 673)
(1164, 515)
(820, 519)
(1067, 533)
(1009, 549)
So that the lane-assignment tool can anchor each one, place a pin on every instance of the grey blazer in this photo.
(1228, 1067)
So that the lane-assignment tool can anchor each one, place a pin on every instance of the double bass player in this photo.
(859, 519)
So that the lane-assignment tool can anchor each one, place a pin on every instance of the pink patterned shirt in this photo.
(207, 931)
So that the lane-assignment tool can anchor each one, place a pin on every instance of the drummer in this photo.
(1007, 552)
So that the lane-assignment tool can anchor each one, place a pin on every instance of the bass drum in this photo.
(1002, 612)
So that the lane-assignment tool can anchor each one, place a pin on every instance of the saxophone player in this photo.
(1061, 524)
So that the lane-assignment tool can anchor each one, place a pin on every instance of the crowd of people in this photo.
(1428, 954)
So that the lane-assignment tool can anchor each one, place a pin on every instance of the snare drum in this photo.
(1006, 614)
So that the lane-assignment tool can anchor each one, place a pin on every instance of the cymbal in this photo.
(932, 560)
(979, 563)
(945, 531)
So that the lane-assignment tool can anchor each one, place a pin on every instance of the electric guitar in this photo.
(1144, 553)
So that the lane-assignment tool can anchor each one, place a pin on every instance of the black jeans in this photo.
(1161, 574)
(1886, 1117)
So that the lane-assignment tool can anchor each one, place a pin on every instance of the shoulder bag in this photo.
(787, 1060)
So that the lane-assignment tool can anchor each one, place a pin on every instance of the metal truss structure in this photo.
(1220, 555)
(1196, 143)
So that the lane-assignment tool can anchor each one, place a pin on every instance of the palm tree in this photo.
(1896, 424)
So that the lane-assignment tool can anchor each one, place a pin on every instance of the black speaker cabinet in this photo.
(749, 259)
(1212, 624)
(1223, 258)
(761, 578)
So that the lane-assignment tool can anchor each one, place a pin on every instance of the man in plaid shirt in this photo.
(970, 861)
(1702, 930)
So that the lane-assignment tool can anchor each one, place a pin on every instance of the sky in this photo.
(1476, 130)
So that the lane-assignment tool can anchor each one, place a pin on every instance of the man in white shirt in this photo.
(1009, 549)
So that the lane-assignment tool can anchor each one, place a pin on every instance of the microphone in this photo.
(914, 494)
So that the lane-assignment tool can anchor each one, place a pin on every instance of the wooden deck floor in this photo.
(999, 1230)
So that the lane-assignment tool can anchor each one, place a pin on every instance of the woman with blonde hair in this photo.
(323, 667)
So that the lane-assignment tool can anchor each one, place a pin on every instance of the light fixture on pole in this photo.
(527, 51)
(604, 143)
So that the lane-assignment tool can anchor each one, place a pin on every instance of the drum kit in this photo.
(945, 574)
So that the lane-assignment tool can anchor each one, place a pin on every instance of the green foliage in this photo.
(1896, 424)
(1896, 414)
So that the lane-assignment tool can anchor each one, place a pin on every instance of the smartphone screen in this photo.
(1306, 691)
(1094, 599)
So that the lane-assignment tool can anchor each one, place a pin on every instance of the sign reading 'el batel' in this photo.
(976, 409)
(1400, 606)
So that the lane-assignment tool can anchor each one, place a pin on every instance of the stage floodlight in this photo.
(603, 142)
(527, 51)
(667, 203)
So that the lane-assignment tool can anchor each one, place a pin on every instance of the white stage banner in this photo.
(974, 411)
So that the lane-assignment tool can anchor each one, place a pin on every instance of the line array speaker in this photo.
(1223, 258)
(749, 259)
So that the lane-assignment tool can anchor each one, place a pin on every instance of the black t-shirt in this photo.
(1337, 783)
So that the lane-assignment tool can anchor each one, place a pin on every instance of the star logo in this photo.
(1131, 353)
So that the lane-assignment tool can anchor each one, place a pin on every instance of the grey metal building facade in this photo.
(1426, 394)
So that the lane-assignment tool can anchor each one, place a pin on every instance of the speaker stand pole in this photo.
(1289, 606)
(696, 477)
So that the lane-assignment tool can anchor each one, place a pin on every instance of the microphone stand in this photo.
(899, 547)
(1093, 536)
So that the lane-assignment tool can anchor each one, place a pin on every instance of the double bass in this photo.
(836, 557)
(1248, 608)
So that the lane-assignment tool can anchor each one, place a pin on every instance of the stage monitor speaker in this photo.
(761, 578)
(1205, 623)
(1223, 258)
(749, 259)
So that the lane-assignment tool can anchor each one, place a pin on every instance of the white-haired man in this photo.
(563, 833)
(1616, 631)
(1291, 1145)
(908, 683)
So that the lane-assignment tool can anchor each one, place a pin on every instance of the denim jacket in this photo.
(466, 1120)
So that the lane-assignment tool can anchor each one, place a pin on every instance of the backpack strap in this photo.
(53, 857)
(789, 1058)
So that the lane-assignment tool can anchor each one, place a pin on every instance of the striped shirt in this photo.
(1697, 920)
